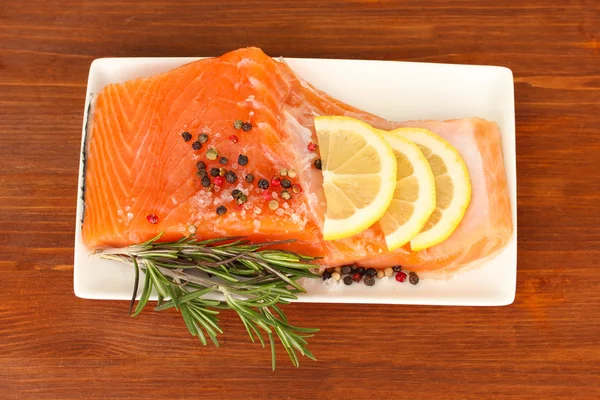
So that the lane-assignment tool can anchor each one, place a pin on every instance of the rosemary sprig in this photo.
(252, 279)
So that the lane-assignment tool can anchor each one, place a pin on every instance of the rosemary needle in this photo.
(252, 279)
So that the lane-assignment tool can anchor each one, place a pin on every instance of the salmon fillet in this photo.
(141, 174)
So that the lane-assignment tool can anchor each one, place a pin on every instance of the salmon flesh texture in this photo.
(139, 167)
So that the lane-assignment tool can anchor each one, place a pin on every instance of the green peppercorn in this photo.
(230, 177)
(238, 124)
(186, 136)
(283, 172)
(285, 195)
(273, 205)
(263, 184)
(212, 154)
(196, 145)
(246, 126)
(241, 199)
(205, 181)
(203, 138)
(369, 280)
(201, 165)
(214, 172)
(201, 173)
(221, 210)
(318, 163)
(292, 173)
(223, 160)
(249, 178)
(286, 184)
(348, 280)
(242, 160)
(413, 278)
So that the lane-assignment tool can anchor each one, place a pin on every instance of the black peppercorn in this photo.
(360, 270)
(263, 184)
(214, 172)
(326, 275)
(242, 160)
(235, 193)
(318, 163)
(250, 178)
(221, 210)
(201, 173)
(370, 272)
(230, 177)
(196, 145)
(397, 268)
(203, 138)
(186, 136)
(205, 181)
(346, 269)
(246, 126)
(241, 198)
(201, 165)
(369, 280)
(286, 184)
(348, 280)
(413, 278)
(223, 160)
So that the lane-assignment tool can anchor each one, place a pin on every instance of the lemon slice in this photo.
(452, 187)
(414, 197)
(359, 175)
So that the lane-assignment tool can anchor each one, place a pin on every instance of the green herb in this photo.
(252, 279)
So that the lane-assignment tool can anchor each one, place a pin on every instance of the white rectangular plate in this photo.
(396, 91)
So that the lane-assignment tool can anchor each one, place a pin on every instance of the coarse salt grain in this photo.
(250, 98)
(286, 205)
(279, 212)
(257, 210)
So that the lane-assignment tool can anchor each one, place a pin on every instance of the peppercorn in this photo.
(249, 178)
(214, 172)
(186, 136)
(356, 277)
(263, 184)
(397, 268)
(212, 154)
(312, 146)
(413, 278)
(347, 280)
(152, 218)
(370, 272)
(292, 173)
(400, 276)
(283, 172)
(296, 188)
(201, 173)
(346, 269)
(201, 165)
(286, 184)
(273, 205)
(241, 199)
(221, 210)
(205, 181)
(318, 163)
(380, 274)
(326, 274)
(203, 138)
(223, 160)
(238, 124)
(235, 193)
(388, 272)
(360, 270)
(196, 145)
(242, 160)
(222, 171)
(369, 280)
(230, 177)
(286, 195)
(234, 139)
(246, 126)
(210, 188)
(218, 180)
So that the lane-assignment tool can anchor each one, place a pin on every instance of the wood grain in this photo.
(544, 346)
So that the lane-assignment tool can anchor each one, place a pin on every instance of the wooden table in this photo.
(546, 345)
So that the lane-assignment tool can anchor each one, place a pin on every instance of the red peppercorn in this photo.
(233, 138)
(356, 277)
(313, 146)
(266, 195)
(275, 181)
(400, 276)
(152, 218)
(218, 180)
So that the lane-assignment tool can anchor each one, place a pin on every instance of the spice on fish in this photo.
(223, 160)
(238, 124)
(196, 145)
(286, 195)
(222, 171)
(205, 181)
(273, 205)
(246, 126)
(286, 184)
(186, 136)
(201, 165)
(313, 146)
(266, 195)
(249, 178)
(210, 188)
(275, 181)
(152, 218)
(214, 172)
(230, 177)
(201, 173)
(218, 180)
(221, 210)
(242, 160)
(241, 199)
(212, 154)
(235, 193)
(296, 188)
(292, 173)
(283, 172)
(234, 139)
(203, 138)
(263, 184)
(346, 269)
(318, 163)
(413, 278)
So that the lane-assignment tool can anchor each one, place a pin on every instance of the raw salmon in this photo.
(141, 174)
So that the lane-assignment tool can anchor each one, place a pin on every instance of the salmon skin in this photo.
(142, 178)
